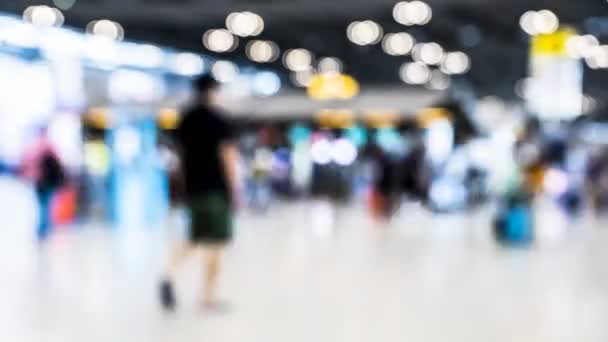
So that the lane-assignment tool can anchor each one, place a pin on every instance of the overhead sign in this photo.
(553, 44)
(333, 87)
(556, 79)
(336, 118)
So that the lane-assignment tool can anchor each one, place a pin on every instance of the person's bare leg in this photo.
(212, 256)
(178, 256)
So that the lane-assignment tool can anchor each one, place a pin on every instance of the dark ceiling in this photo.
(498, 48)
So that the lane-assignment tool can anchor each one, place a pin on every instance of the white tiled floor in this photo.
(293, 276)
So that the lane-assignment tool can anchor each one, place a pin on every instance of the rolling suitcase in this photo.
(514, 223)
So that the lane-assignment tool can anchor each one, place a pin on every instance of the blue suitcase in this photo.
(515, 224)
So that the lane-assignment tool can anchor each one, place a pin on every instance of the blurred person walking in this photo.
(43, 167)
(208, 159)
(383, 192)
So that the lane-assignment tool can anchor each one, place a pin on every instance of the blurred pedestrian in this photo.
(384, 184)
(413, 171)
(209, 159)
(43, 167)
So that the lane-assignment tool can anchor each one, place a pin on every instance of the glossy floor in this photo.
(307, 272)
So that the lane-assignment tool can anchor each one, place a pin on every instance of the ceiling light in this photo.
(330, 65)
(581, 46)
(400, 13)
(598, 58)
(431, 53)
(106, 28)
(541, 22)
(415, 73)
(302, 78)
(262, 51)
(526, 22)
(412, 13)
(419, 12)
(43, 16)
(398, 44)
(364, 32)
(456, 63)
(219, 40)
(546, 22)
(298, 59)
(245, 24)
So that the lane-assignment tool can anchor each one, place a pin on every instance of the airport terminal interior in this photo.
(251, 170)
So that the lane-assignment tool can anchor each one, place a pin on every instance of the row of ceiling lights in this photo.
(248, 24)
(425, 55)
(186, 64)
(105, 31)
(45, 16)
(585, 47)
(238, 24)
(299, 61)
(588, 47)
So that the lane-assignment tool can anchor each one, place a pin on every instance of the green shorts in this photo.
(211, 218)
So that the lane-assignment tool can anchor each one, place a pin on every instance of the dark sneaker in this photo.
(167, 296)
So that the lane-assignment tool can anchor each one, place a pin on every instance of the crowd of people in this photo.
(212, 169)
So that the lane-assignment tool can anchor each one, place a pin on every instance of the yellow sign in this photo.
(382, 119)
(336, 118)
(429, 115)
(333, 87)
(553, 44)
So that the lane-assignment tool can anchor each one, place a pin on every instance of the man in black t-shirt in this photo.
(208, 160)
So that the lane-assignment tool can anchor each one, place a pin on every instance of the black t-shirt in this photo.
(199, 135)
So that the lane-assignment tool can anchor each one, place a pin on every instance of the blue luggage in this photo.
(514, 223)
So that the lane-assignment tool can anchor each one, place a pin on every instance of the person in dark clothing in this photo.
(208, 159)
(414, 173)
(51, 178)
(43, 168)
(384, 185)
